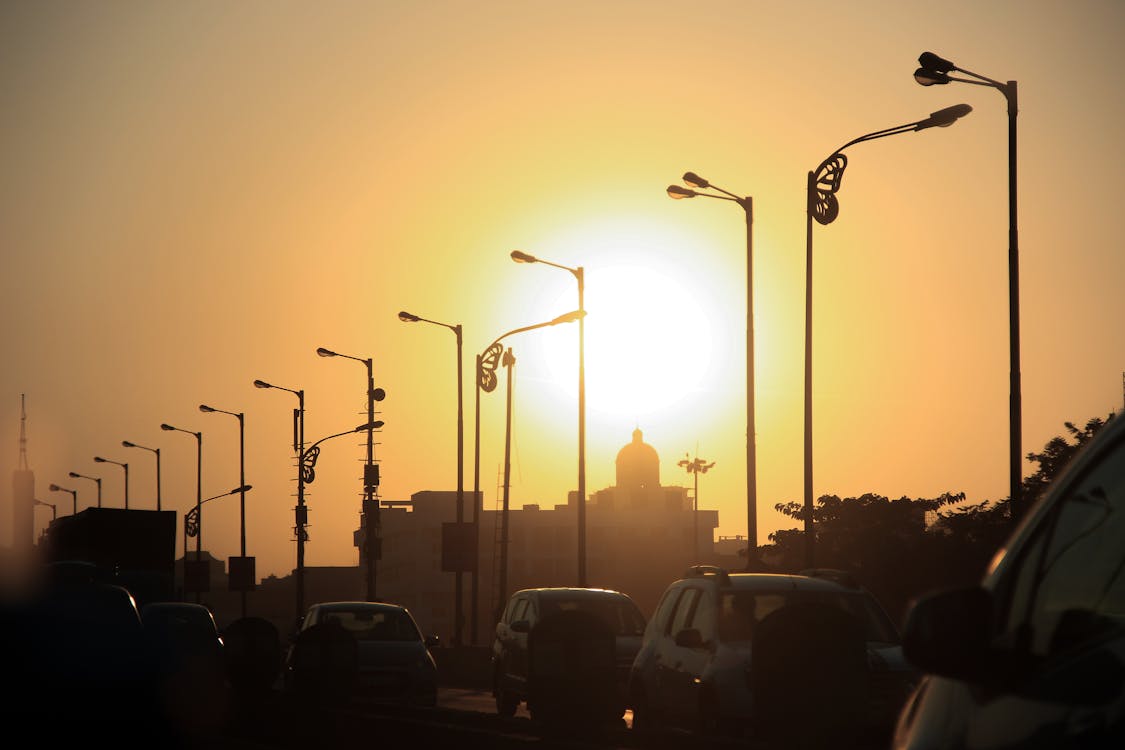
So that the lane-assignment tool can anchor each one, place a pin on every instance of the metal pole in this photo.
(198, 508)
(509, 362)
(1015, 397)
(579, 273)
(458, 605)
(158, 505)
(99, 481)
(300, 514)
(809, 531)
(695, 520)
(751, 443)
(474, 589)
(371, 525)
(242, 497)
(126, 466)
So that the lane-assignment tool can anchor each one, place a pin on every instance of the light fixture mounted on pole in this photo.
(244, 566)
(822, 206)
(695, 467)
(198, 501)
(100, 460)
(936, 70)
(156, 451)
(76, 475)
(73, 495)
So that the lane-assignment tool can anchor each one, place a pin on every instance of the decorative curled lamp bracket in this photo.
(308, 473)
(826, 182)
(489, 361)
(191, 523)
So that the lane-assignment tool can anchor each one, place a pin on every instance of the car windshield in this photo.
(375, 625)
(739, 611)
(621, 614)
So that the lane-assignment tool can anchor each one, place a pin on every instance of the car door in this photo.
(680, 660)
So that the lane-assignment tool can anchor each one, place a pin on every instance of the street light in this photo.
(156, 451)
(579, 274)
(747, 205)
(458, 606)
(54, 511)
(486, 381)
(73, 495)
(76, 475)
(193, 524)
(125, 466)
(822, 205)
(198, 496)
(936, 70)
(370, 473)
(695, 467)
(241, 417)
(300, 512)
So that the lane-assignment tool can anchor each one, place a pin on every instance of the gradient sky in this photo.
(196, 195)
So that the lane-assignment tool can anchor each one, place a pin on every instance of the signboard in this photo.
(240, 574)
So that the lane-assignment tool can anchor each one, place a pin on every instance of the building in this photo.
(640, 536)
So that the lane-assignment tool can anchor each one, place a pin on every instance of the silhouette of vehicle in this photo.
(532, 643)
(366, 650)
(188, 655)
(824, 647)
(1033, 657)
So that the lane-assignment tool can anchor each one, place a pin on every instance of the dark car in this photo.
(362, 650)
(605, 629)
(1033, 657)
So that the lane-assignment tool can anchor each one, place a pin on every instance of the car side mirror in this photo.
(521, 626)
(690, 638)
(949, 633)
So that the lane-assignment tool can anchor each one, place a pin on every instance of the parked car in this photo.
(590, 615)
(375, 646)
(1033, 657)
(696, 670)
(187, 654)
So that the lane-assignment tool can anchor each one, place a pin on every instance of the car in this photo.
(696, 668)
(560, 618)
(369, 651)
(1033, 656)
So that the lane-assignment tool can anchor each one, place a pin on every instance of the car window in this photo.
(1070, 584)
(375, 625)
(659, 622)
(685, 608)
(740, 611)
(619, 612)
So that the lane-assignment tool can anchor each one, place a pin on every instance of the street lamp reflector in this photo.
(206, 409)
(930, 77)
(127, 444)
(406, 317)
(943, 118)
(569, 317)
(262, 384)
(99, 459)
(521, 257)
(930, 61)
(694, 180)
(321, 351)
(74, 475)
(167, 427)
(677, 192)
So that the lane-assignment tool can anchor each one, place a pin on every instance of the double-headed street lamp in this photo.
(73, 495)
(695, 467)
(125, 466)
(458, 606)
(198, 495)
(936, 70)
(156, 452)
(822, 205)
(76, 475)
(300, 512)
(370, 473)
(697, 183)
(241, 417)
(579, 275)
(487, 363)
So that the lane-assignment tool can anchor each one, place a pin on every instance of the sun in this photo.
(648, 343)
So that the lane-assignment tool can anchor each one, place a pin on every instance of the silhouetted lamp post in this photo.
(54, 511)
(300, 512)
(458, 606)
(370, 474)
(156, 451)
(193, 521)
(822, 205)
(579, 275)
(486, 381)
(125, 466)
(76, 475)
(198, 496)
(697, 183)
(73, 495)
(695, 467)
(241, 417)
(936, 70)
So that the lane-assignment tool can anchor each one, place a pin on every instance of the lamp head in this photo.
(56, 488)
(943, 118)
(930, 61)
(930, 77)
(127, 444)
(322, 352)
(262, 384)
(406, 317)
(206, 409)
(521, 257)
(695, 181)
(73, 475)
(99, 459)
(677, 192)
(167, 426)
(569, 317)
(376, 425)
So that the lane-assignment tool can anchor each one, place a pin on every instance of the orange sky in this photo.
(198, 195)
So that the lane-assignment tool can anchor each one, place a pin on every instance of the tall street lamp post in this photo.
(697, 183)
(73, 495)
(198, 497)
(487, 363)
(54, 510)
(300, 512)
(371, 521)
(936, 70)
(193, 520)
(76, 475)
(823, 206)
(458, 606)
(125, 466)
(156, 451)
(580, 276)
(241, 417)
(695, 467)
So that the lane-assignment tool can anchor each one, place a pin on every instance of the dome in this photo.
(638, 465)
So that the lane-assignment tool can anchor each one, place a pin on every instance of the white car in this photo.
(696, 669)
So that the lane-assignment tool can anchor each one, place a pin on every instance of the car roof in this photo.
(573, 592)
(772, 582)
(356, 606)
